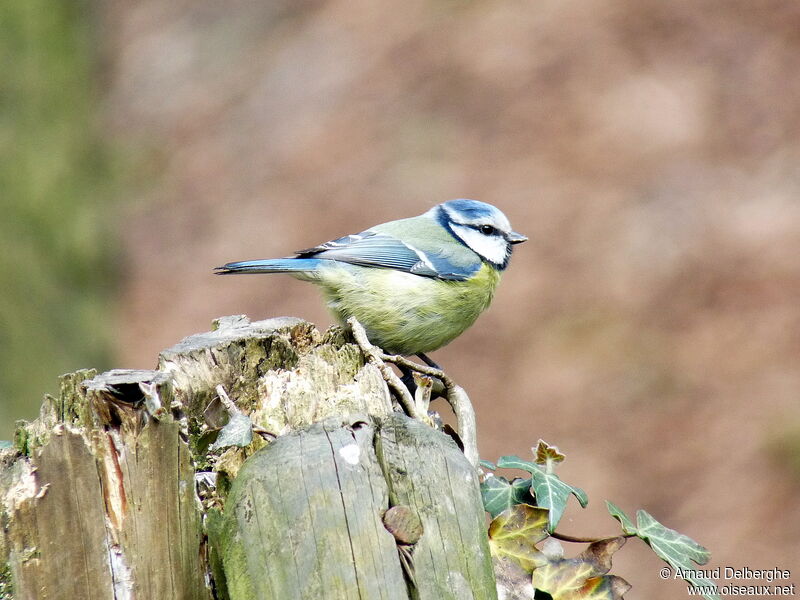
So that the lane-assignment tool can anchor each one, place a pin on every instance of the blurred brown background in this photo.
(650, 150)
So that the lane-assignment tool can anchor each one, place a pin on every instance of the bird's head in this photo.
(481, 227)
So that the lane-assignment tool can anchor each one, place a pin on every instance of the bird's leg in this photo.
(438, 387)
(428, 361)
(408, 379)
(377, 358)
(455, 396)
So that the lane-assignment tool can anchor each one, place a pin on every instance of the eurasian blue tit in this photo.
(414, 284)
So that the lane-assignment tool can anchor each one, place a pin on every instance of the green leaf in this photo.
(515, 462)
(522, 491)
(238, 432)
(676, 549)
(550, 492)
(486, 464)
(496, 494)
(619, 515)
(670, 541)
(515, 532)
(499, 494)
(679, 551)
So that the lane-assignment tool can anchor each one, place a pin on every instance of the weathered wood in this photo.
(104, 502)
(282, 372)
(427, 472)
(321, 492)
(106, 494)
(60, 509)
(302, 504)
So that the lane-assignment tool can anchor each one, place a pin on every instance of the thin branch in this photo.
(422, 395)
(226, 401)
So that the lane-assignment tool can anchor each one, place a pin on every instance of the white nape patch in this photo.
(350, 453)
(491, 247)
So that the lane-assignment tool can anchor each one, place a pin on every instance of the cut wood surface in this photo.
(257, 461)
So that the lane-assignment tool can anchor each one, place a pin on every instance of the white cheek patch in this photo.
(491, 247)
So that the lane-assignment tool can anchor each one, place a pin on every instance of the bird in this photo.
(414, 284)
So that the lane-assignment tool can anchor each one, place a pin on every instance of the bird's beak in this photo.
(516, 238)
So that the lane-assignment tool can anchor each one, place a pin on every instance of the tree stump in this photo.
(258, 461)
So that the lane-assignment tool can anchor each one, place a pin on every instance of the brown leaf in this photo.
(583, 577)
(599, 553)
(545, 453)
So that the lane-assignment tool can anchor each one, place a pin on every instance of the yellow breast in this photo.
(404, 313)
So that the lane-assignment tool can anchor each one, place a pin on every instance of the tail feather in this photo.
(270, 265)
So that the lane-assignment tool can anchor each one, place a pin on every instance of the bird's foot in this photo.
(378, 358)
(408, 381)
(422, 379)
(443, 385)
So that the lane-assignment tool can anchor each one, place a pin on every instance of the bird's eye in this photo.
(487, 229)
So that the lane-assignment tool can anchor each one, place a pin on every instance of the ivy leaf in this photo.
(668, 543)
(515, 462)
(547, 455)
(603, 587)
(515, 532)
(522, 490)
(551, 493)
(496, 494)
(619, 515)
(499, 494)
(238, 432)
(599, 553)
(583, 577)
(489, 465)
(677, 550)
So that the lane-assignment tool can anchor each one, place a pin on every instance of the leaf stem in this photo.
(580, 540)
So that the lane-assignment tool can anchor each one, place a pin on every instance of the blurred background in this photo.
(650, 327)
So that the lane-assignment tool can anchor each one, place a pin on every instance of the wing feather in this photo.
(373, 249)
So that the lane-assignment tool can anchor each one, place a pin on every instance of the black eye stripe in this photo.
(485, 229)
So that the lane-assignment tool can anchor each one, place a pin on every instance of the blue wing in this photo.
(373, 249)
